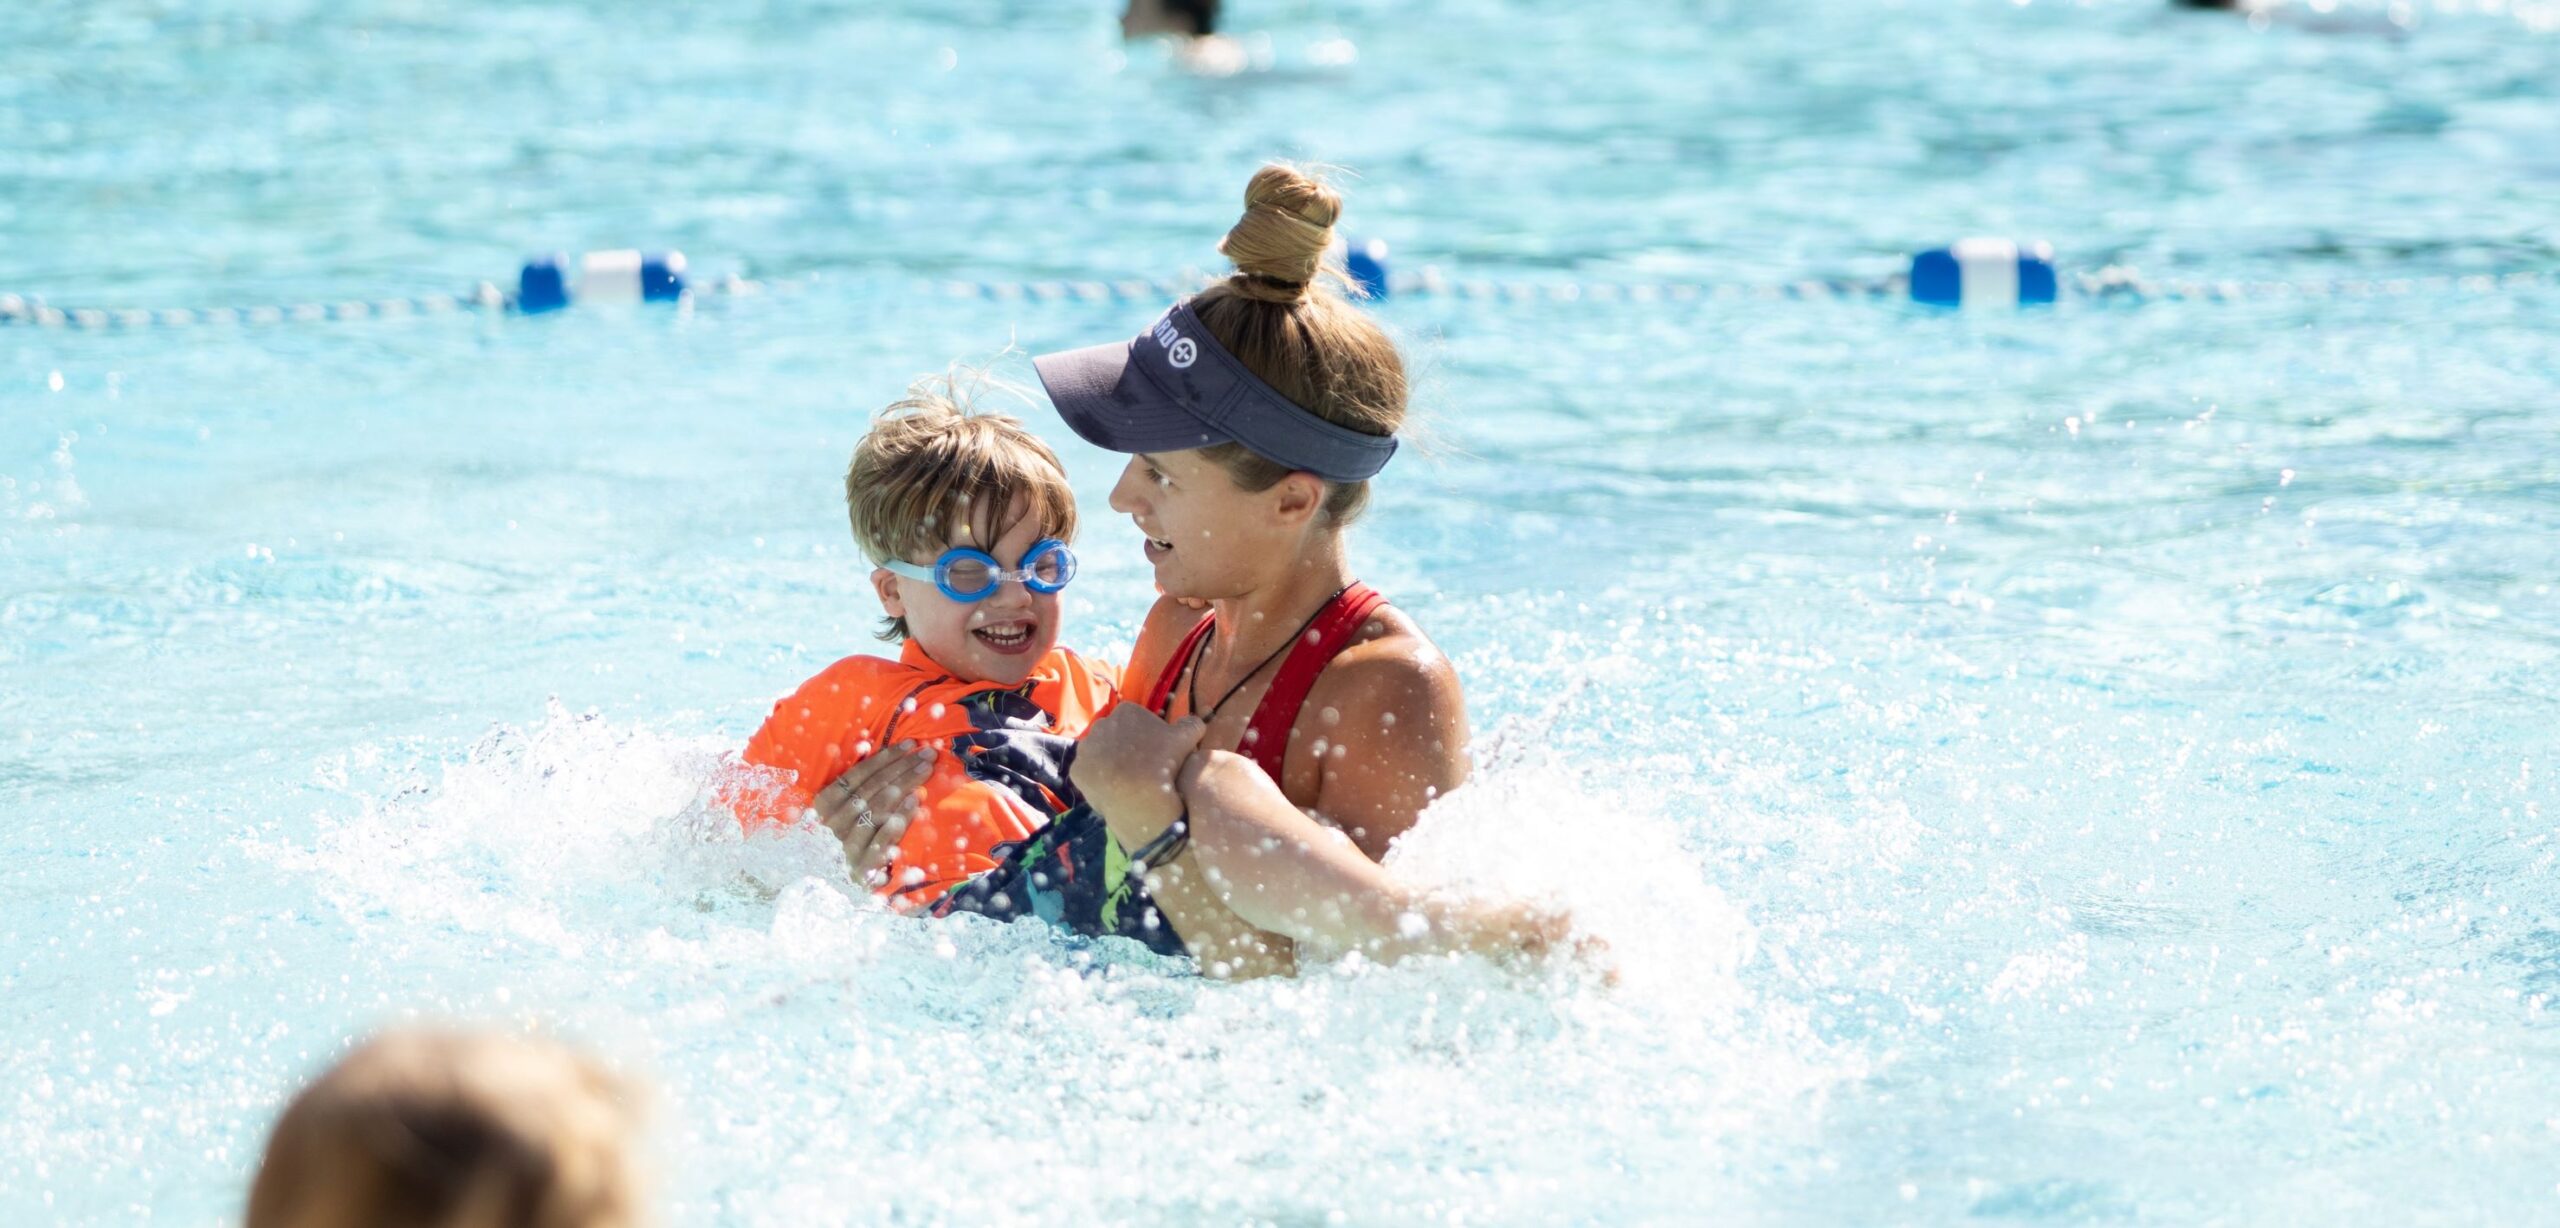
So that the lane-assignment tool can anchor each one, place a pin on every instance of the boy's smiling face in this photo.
(998, 638)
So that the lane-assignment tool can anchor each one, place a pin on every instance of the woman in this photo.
(1268, 751)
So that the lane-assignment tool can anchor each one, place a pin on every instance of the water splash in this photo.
(575, 870)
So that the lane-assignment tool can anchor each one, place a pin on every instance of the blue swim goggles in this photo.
(964, 574)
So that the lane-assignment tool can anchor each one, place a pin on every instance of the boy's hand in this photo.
(1125, 767)
(870, 806)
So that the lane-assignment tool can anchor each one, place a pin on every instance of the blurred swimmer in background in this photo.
(1193, 27)
(1179, 18)
(1201, 50)
(2395, 22)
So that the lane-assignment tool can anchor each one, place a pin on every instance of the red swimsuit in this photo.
(1266, 737)
(1072, 874)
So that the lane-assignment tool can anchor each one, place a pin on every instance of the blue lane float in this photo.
(1983, 274)
(546, 283)
(1366, 261)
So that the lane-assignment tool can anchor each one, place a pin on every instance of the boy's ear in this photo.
(1299, 497)
(885, 583)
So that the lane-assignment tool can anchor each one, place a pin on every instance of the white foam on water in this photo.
(55, 496)
(817, 1053)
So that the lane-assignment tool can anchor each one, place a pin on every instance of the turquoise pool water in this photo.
(2093, 765)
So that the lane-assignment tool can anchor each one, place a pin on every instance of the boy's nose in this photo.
(1010, 596)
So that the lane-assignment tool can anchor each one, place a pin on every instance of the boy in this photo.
(967, 519)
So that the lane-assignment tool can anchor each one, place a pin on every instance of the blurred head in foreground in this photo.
(433, 1128)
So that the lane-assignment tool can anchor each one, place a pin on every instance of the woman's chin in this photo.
(1177, 582)
(1170, 580)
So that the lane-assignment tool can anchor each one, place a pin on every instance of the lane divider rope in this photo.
(1975, 274)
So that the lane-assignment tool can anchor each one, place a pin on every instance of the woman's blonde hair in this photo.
(1281, 316)
(426, 1128)
(935, 472)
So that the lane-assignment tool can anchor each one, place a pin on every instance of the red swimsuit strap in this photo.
(1266, 739)
(1160, 696)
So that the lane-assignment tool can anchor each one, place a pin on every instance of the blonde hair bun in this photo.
(1279, 244)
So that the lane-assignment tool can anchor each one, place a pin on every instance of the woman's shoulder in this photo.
(1392, 696)
(1159, 637)
(1390, 665)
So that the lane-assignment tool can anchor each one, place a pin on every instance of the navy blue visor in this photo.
(1174, 388)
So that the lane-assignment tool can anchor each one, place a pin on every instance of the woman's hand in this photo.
(870, 806)
(1125, 767)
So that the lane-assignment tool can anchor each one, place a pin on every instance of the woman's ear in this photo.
(1299, 497)
(885, 583)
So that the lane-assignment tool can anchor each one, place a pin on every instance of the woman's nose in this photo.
(1124, 493)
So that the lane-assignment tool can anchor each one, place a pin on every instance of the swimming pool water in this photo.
(2092, 765)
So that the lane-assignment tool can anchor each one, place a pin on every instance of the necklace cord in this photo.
(1192, 692)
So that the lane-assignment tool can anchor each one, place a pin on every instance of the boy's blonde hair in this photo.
(422, 1128)
(935, 472)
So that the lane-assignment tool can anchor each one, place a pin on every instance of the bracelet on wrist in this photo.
(1169, 844)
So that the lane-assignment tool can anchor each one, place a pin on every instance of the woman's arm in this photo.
(1125, 768)
(1276, 867)
(1387, 728)
(1259, 872)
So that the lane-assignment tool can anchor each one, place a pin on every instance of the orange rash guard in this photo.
(1001, 776)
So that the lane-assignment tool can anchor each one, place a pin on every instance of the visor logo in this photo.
(1178, 349)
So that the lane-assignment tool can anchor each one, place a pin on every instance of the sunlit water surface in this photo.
(2087, 766)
